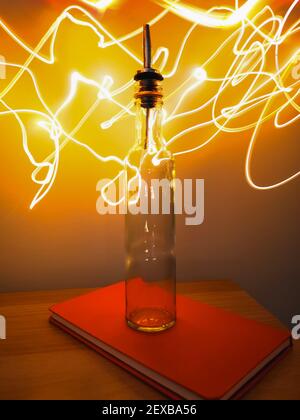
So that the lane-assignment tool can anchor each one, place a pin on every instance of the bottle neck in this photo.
(149, 127)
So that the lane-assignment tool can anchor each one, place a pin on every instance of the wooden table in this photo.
(38, 361)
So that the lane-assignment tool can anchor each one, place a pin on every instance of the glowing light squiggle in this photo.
(249, 63)
(99, 4)
(210, 18)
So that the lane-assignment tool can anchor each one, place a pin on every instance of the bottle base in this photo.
(151, 320)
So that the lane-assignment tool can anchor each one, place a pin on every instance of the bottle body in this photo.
(150, 228)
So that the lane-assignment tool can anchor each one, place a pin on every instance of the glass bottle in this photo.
(150, 218)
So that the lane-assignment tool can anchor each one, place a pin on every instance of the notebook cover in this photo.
(167, 392)
(209, 351)
(119, 362)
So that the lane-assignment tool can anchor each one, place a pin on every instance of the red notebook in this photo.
(210, 353)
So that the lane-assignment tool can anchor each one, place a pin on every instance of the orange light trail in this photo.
(250, 62)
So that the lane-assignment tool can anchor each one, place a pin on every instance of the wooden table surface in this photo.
(38, 361)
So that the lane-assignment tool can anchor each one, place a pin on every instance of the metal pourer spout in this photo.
(149, 91)
(147, 48)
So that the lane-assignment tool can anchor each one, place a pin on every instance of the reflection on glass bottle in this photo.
(150, 230)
